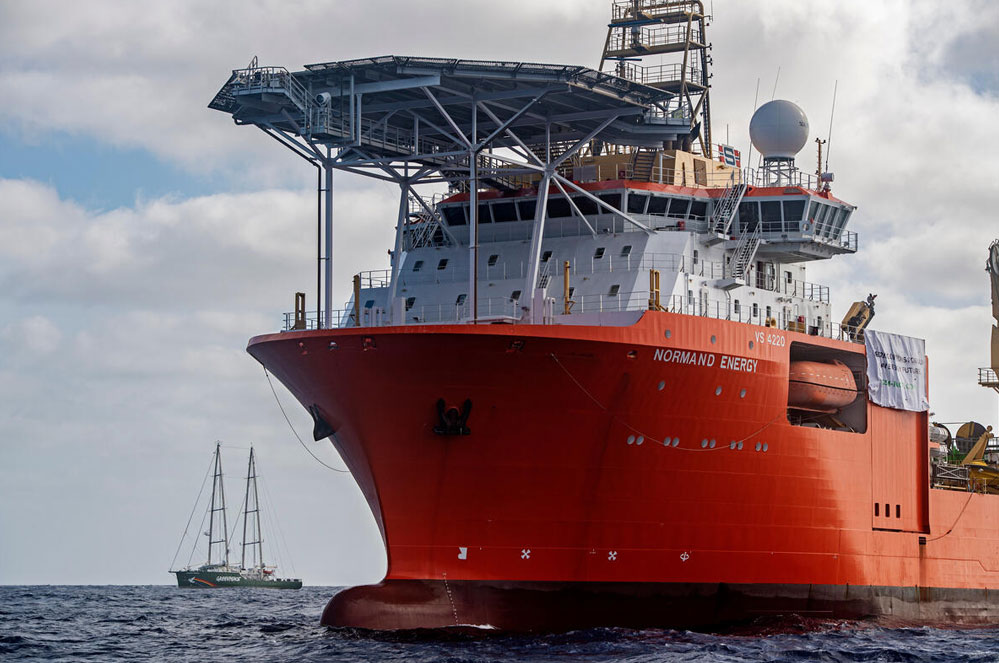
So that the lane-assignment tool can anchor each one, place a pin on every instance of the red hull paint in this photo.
(565, 477)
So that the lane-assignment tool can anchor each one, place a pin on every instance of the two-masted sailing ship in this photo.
(219, 571)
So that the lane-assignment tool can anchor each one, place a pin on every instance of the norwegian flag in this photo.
(729, 156)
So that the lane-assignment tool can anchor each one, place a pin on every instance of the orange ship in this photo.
(594, 388)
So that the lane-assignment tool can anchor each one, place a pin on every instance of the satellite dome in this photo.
(779, 129)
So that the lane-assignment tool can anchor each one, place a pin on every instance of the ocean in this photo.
(164, 623)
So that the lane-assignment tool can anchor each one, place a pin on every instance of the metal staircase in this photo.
(744, 254)
(725, 209)
(642, 164)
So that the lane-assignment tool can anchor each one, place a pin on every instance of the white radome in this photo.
(779, 128)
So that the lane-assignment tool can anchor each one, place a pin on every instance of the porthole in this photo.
(739, 446)
(668, 333)
(631, 439)
(704, 443)
(662, 385)
(711, 444)
(676, 441)
(718, 391)
(765, 446)
(731, 445)
(758, 446)
(666, 442)
(750, 345)
(742, 393)
(714, 339)
(641, 438)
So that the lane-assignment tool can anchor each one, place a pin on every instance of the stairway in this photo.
(725, 209)
(642, 164)
(744, 254)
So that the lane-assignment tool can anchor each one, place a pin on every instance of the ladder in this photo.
(744, 253)
(726, 207)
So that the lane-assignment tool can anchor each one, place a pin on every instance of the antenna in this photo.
(831, 115)
(756, 100)
(777, 78)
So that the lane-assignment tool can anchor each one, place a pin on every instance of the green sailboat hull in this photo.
(212, 579)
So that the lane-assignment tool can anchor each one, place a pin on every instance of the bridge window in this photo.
(492, 259)
(749, 215)
(526, 208)
(418, 265)
(484, 216)
(442, 264)
(637, 202)
(658, 204)
(793, 211)
(558, 207)
(454, 215)
(698, 208)
(503, 212)
(586, 205)
(812, 209)
(678, 208)
(771, 216)
(612, 199)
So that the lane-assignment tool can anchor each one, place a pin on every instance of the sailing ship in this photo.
(595, 388)
(218, 570)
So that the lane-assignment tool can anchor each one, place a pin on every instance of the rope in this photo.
(191, 517)
(649, 437)
(966, 503)
(292, 427)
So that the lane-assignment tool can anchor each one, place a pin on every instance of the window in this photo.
(771, 216)
(442, 264)
(678, 208)
(690, 297)
(737, 309)
(637, 202)
(369, 303)
(492, 259)
(898, 510)
(599, 253)
(768, 312)
(756, 310)
(454, 215)
(558, 207)
(696, 256)
(699, 208)
(877, 509)
(626, 251)
(571, 290)
(418, 265)
(503, 212)
(657, 205)
(586, 205)
(749, 215)
(460, 300)
(613, 290)
(526, 208)
(515, 295)
(546, 256)
(793, 211)
(484, 216)
(409, 302)
(612, 199)
(788, 278)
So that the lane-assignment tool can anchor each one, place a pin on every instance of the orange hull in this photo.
(620, 459)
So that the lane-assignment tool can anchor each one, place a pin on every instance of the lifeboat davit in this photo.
(821, 386)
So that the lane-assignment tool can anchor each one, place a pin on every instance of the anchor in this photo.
(453, 421)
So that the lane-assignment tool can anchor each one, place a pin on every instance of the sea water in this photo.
(164, 623)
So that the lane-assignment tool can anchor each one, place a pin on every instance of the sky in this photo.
(144, 238)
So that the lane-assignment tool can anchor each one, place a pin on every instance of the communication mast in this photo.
(640, 29)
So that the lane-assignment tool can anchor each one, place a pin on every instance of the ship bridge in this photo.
(468, 123)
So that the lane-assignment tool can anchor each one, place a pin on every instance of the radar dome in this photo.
(779, 129)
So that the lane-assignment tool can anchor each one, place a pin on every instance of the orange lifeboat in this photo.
(821, 386)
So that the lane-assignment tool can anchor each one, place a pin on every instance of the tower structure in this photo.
(676, 31)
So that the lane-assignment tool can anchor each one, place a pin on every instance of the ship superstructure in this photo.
(595, 386)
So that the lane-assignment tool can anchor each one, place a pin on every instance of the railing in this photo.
(376, 278)
(987, 378)
(268, 79)
(624, 9)
(658, 74)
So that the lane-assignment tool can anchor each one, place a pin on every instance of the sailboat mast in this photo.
(218, 504)
(251, 484)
